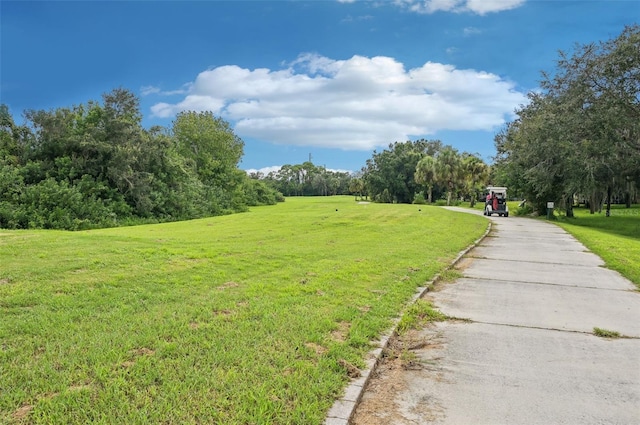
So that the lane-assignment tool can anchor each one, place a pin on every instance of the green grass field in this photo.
(616, 239)
(253, 318)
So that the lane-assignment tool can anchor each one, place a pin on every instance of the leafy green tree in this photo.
(10, 147)
(212, 151)
(307, 179)
(580, 136)
(210, 145)
(389, 175)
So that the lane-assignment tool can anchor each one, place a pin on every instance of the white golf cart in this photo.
(496, 201)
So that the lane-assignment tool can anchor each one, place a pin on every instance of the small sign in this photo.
(550, 205)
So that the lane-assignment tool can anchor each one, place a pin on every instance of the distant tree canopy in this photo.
(579, 137)
(306, 179)
(94, 165)
(403, 172)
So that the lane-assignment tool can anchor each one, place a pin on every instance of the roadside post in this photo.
(549, 210)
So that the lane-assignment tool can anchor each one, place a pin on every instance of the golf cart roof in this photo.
(496, 189)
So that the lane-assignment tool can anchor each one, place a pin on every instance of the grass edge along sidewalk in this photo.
(250, 318)
(417, 313)
(615, 239)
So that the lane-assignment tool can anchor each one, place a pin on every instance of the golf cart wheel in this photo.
(506, 214)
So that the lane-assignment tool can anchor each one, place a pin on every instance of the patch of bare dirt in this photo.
(80, 387)
(22, 412)
(352, 371)
(464, 263)
(385, 400)
(341, 333)
(317, 348)
(136, 352)
(142, 352)
(228, 285)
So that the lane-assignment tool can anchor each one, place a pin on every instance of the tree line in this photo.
(306, 179)
(94, 165)
(422, 171)
(578, 139)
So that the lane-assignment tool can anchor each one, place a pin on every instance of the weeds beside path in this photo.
(249, 318)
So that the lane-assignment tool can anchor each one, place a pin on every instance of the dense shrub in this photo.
(94, 165)
(419, 198)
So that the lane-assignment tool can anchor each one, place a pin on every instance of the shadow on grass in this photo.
(622, 222)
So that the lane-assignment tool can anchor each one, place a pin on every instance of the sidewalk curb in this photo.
(343, 409)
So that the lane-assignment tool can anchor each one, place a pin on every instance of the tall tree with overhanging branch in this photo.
(581, 134)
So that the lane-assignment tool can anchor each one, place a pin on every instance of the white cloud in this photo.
(356, 104)
(350, 18)
(265, 170)
(469, 31)
(149, 90)
(275, 168)
(480, 7)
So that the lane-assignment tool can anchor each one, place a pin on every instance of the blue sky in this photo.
(331, 79)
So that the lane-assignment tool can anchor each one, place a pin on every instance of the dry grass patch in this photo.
(316, 348)
(340, 334)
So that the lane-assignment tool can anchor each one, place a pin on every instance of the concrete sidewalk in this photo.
(527, 354)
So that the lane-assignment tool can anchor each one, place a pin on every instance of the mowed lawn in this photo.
(254, 318)
(616, 238)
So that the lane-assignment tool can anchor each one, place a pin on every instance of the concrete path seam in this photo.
(536, 262)
(531, 282)
(542, 328)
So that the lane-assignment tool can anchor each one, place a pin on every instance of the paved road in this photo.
(533, 295)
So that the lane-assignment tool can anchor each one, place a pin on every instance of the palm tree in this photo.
(425, 174)
(476, 173)
(448, 171)
(356, 186)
